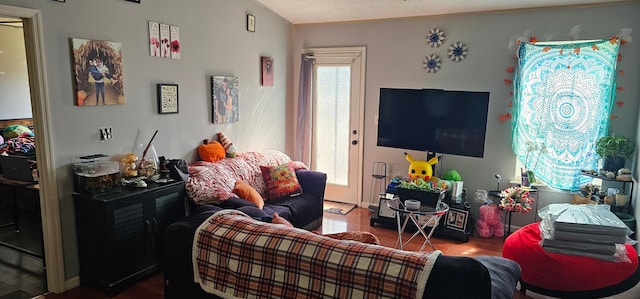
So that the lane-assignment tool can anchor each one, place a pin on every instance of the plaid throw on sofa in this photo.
(235, 256)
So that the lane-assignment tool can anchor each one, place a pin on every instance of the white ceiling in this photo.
(325, 11)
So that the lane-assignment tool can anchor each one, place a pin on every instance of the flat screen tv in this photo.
(433, 120)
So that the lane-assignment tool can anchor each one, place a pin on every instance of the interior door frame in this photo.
(49, 202)
(359, 52)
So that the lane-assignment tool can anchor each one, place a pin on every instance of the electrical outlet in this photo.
(105, 133)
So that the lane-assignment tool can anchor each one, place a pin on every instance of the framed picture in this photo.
(97, 67)
(251, 23)
(267, 71)
(224, 99)
(383, 208)
(456, 219)
(167, 98)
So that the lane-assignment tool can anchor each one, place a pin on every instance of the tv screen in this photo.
(433, 120)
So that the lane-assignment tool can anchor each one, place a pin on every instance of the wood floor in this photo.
(356, 220)
(21, 275)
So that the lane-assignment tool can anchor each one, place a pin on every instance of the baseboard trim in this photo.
(72, 283)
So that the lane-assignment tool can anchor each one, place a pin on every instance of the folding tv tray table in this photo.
(430, 214)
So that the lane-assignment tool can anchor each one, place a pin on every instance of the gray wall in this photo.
(396, 49)
(214, 41)
(15, 99)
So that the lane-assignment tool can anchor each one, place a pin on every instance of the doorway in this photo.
(21, 250)
(338, 108)
(48, 192)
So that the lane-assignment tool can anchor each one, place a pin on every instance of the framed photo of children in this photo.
(224, 99)
(456, 219)
(97, 67)
(167, 98)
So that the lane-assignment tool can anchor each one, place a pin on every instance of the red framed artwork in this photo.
(267, 71)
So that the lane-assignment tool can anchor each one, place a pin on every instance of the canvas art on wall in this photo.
(98, 72)
(224, 99)
(164, 41)
(154, 39)
(175, 42)
(267, 71)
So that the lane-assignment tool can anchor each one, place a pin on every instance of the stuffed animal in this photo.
(452, 175)
(489, 224)
(419, 169)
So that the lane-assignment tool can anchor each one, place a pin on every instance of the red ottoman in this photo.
(567, 276)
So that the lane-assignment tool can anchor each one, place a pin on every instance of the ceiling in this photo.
(325, 11)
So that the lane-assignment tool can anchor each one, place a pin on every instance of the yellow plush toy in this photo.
(420, 169)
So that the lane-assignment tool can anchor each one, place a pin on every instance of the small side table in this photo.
(507, 223)
(534, 191)
(433, 214)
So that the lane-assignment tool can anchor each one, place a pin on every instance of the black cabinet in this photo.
(119, 233)
(460, 230)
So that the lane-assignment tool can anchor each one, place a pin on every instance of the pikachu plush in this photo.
(419, 169)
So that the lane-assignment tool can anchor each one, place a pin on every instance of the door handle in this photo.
(354, 142)
(154, 225)
(147, 228)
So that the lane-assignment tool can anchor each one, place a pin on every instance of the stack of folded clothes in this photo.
(585, 230)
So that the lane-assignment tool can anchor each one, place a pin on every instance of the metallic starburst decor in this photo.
(432, 63)
(435, 37)
(457, 52)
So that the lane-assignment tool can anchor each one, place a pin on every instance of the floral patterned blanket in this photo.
(235, 256)
(213, 182)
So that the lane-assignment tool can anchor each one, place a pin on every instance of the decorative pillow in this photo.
(280, 220)
(281, 181)
(244, 190)
(211, 152)
(228, 146)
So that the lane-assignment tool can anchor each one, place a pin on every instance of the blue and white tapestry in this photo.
(563, 96)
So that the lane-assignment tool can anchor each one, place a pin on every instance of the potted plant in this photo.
(427, 192)
(614, 150)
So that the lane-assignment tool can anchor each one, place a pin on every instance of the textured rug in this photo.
(338, 207)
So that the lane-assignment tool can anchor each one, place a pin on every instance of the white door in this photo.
(338, 105)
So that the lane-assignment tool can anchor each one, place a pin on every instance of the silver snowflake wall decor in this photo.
(435, 37)
(457, 52)
(432, 63)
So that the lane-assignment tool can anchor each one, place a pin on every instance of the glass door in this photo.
(337, 122)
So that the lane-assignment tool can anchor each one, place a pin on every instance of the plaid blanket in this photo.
(235, 256)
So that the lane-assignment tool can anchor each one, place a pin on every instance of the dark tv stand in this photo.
(443, 231)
